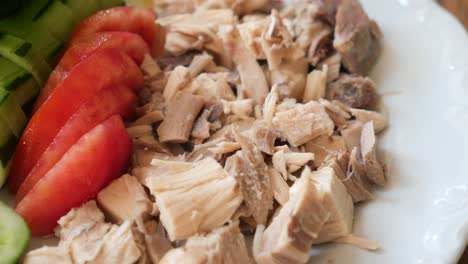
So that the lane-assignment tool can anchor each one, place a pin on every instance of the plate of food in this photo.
(317, 131)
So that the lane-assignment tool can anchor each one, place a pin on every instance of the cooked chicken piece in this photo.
(249, 170)
(212, 87)
(352, 135)
(195, 198)
(334, 65)
(179, 78)
(201, 127)
(364, 116)
(223, 245)
(251, 33)
(303, 123)
(316, 85)
(279, 185)
(144, 157)
(286, 161)
(338, 112)
(357, 38)
(181, 114)
(149, 118)
(349, 170)
(279, 163)
(171, 7)
(155, 240)
(238, 107)
(325, 9)
(149, 142)
(269, 107)
(354, 91)
(337, 202)
(140, 131)
(320, 45)
(240, 7)
(290, 235)
(125, 199)
(48, 255)
(374, 170)
(199, 63)
(118, 246)
(196, 31)
(325, 147)
(253, 82)
(277, 42)
(169, 62)
(156, 103)
(225, 147)
(149, 66)
(263, 136)
(290, 77)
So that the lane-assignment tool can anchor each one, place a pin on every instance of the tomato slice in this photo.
(106, 68)
(129, 43)
(94, 161)
(123, 18)
(106, 103)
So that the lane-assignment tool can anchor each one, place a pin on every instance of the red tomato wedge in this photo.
(129, 43)
(105, 69)
(106, 103)
(94, 161)
(123, 18)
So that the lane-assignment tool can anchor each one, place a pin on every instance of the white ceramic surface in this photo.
(421, 216)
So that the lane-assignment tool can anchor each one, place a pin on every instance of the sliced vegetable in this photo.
(14, 235)
(77, 178)
(104, 4)
(57, 19)
(82, 8)
(12, 113)
(18, 81)
(107, 102)
(129, 43)
(106, 68)
(124, 18)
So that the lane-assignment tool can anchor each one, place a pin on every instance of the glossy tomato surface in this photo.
(105, 69)
(129, 43)
(106, 103)
(93, 162)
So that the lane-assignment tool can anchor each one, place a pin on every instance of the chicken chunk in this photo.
(182, 196)
(364, 116)
(223, 245)
(155, 240)
(337, 202)
(179, 78)
(263, 136)
(316, 85)
(303, 123)
(374, 170)
(125, 199)
(48, 255)
(180, 116)
(325, 147)
(248, 168)
(290, 235)
(354, 91)
(253, 81)
(290, 77)
(357, 38)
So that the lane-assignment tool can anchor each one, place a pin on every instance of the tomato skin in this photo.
(106, 68)
(77, 178)
(104, 104)
(123, 18)
(129, 43)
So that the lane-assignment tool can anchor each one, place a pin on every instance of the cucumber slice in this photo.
(82, 8)
(26, 92)
(21, 53)
(14, 235)
(33, 9)
(110, 3)
(12, 113)
(7, 147)
(57, 19)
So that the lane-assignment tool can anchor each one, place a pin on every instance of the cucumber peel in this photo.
(14, 235)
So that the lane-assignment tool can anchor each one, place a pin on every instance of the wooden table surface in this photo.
(460, 9)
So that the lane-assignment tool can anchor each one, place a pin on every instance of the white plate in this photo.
(422, 214)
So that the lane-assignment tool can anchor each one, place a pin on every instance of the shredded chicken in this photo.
(257, 118)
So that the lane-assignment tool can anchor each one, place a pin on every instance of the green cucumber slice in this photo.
(14, 235)
(82, 8)
(57, 19)
(26, 92)
(110, 3)
(12, 113)
(21, 53)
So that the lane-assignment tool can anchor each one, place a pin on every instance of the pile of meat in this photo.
(259, 119)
